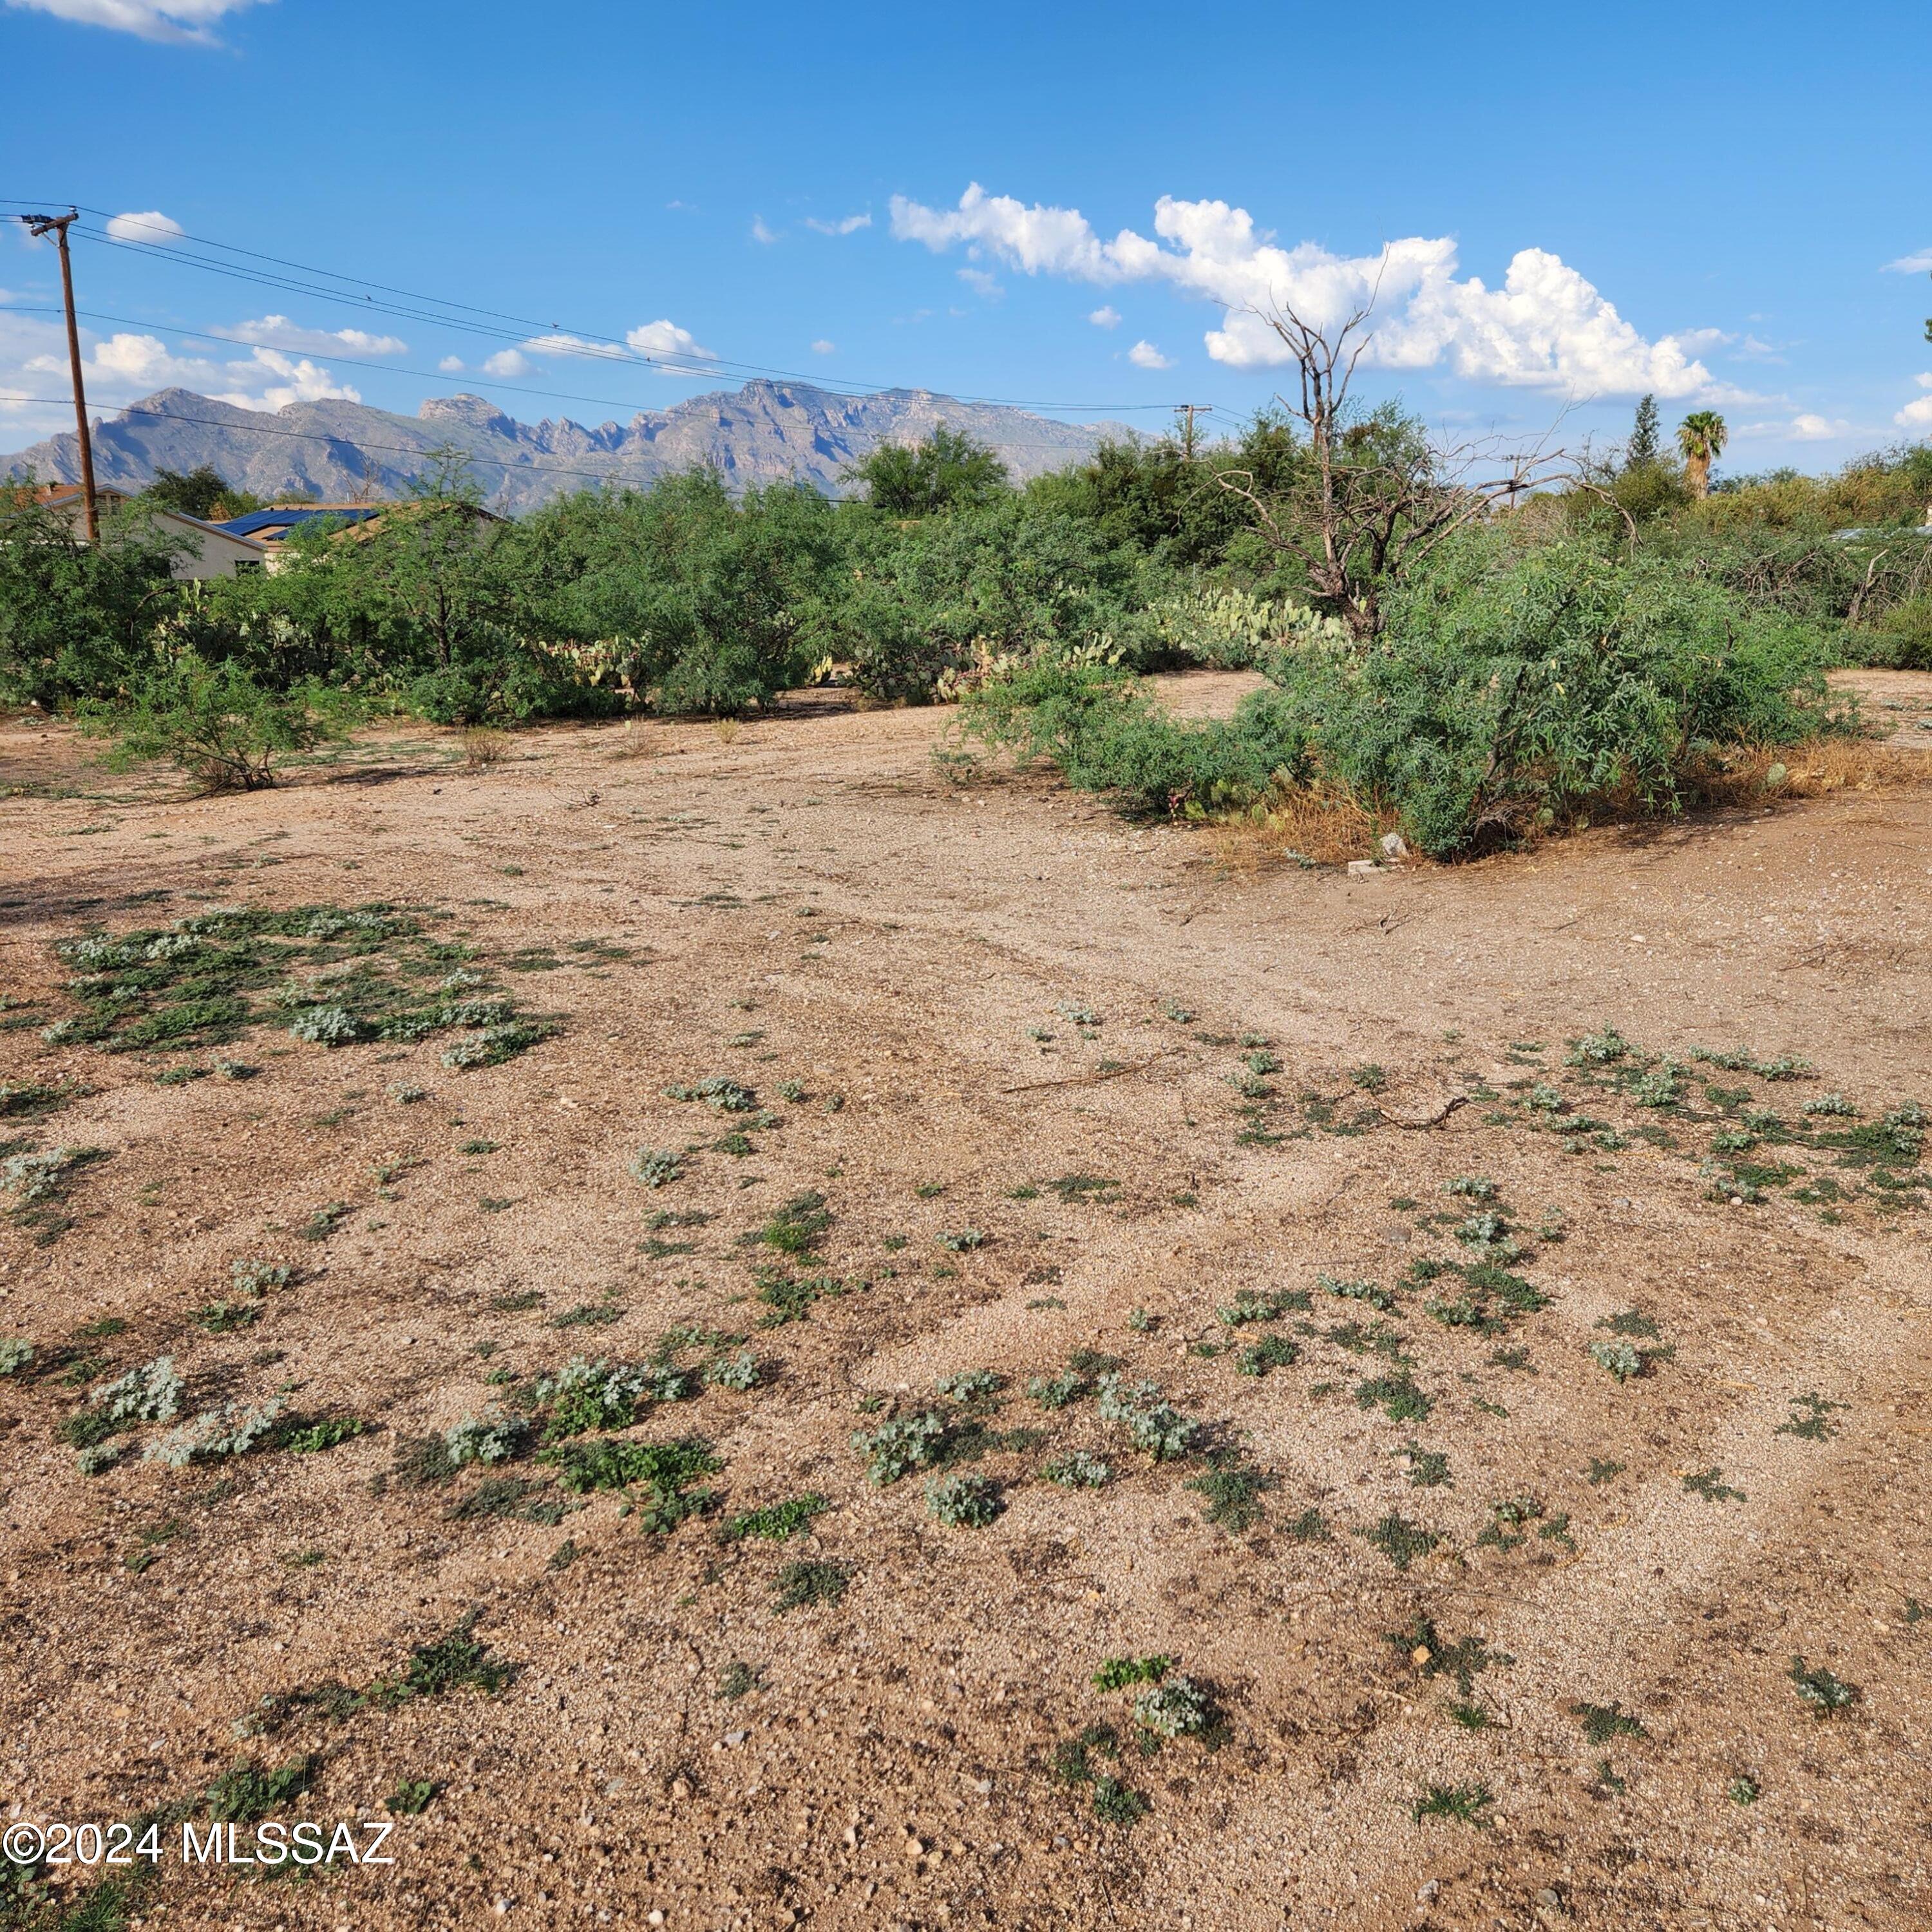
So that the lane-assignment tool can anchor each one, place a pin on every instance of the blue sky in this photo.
(1559, 207)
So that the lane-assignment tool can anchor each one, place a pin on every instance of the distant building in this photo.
(272, 527)
(218, 550)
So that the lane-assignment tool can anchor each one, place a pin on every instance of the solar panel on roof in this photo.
(264, 520)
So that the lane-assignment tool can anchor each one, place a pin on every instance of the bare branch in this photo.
(1375, 497)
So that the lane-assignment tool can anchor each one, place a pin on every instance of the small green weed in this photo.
(1810, 1418)
(1708, 1485)
(1603, 1722)
(737, 1679)
(246, 1793)
(455, 1661)
(803, 1585)
(775, 1522)
(1396, 1395)
(1826, 1693)
(1078, 1470)
(963, 1502)
(1233, 1491)
(1399, 1539)
(1121, 1673)
(799, 1226)
(1465, 1803)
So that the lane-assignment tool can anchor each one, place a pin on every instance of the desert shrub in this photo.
(215, 721)
(718, 605)
(1514, 687)
(1519, 688)
(73, 615)
(1007, 581)
(1899, 639)
(947, 471)
(1109, 734)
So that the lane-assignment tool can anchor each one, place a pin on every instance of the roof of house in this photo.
(51, 494)
(56, 492)
(285, 516)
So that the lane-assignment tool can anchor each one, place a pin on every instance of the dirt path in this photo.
(980, 990)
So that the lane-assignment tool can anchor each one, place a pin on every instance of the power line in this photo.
(404, 449)
(357, 362)
(617, 348)
(455, 382)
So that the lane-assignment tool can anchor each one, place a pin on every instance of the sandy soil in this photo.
(810, 899)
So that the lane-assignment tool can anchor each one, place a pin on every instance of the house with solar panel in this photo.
(207, 550)
(271, 528)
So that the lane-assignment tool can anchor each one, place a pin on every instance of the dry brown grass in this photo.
(1816, 770)
(484, 745)
(1330, 828)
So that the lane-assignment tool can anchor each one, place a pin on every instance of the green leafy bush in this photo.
(216, 721)
(1514, 687)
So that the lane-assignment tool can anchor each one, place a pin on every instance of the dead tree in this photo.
(1374, 496)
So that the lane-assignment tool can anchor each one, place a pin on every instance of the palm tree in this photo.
(1701, 437)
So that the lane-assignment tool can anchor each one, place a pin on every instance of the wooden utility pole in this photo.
(1189, 410)
(57, 225)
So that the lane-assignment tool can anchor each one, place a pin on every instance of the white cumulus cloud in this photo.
(982, 283)
(1545, 327)
(822, 347)
(156, 229)
(1106, 316)
(1805, 427)
(191, 21)
(278, 331)
(849, 225)
(662, 341)
(128, 366)
(1145, 355)
(759, 232)
(451, 365)
(1919, 262)
(1917, 414)
(665, 339)
(285, 380)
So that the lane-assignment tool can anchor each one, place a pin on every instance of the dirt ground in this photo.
(1254, 1093)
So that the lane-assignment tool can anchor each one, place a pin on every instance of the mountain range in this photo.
(765, 433)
